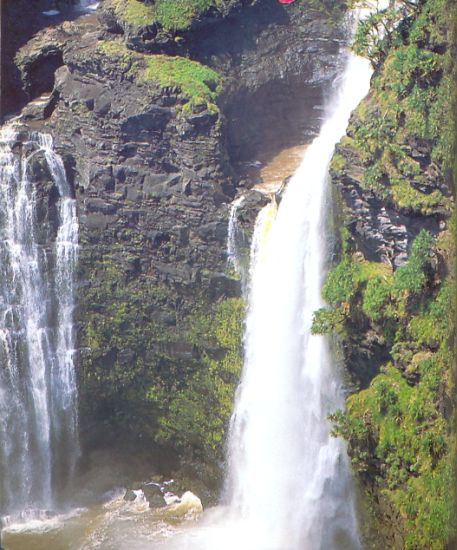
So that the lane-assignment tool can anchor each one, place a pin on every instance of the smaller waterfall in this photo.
(38, 255)
(63, 380)
(233, 234)
(87, 6)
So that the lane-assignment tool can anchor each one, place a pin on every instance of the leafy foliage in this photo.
(414, 275)
(327, 320)
(408, 106)
(397, 428)
(341, 283)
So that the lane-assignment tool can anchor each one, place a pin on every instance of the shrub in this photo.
(414, 274)
(326, 320)
(376, 299)
(340, 285)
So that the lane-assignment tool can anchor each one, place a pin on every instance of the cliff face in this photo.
(151, 116)
(392, 292)
(149, 141)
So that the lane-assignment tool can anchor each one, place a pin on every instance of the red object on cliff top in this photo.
(286, 1)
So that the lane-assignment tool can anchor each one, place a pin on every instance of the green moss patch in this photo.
(169, 14)
(164, 382)
(134, 12)
(196, 81)
(199, 84)
(406, 196)
(196, 416)
(408, 108)
(179, 14)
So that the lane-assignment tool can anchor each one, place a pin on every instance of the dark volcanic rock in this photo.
(21, 19)
(279, 63)
(382, 230)
(150, 36)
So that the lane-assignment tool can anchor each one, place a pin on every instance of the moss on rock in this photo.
(399, 423)
(162, 377)
(197, 83)
(402, 133)
(169, 14)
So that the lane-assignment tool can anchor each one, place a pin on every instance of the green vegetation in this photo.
(133, 12)
(179, 14)
(403, 132)
(373, 289)
(399, 442)
(199, 84)
(199, 411)
(169, 14)
(398, 428)
(327, 320)
(399, 424)
(158, 375)
(196, 81)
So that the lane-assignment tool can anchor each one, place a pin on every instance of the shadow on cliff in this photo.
(22, 19)
(274, 85)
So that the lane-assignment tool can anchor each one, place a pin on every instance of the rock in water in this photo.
(188, 507)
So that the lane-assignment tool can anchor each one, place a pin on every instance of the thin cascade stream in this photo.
(38, 425)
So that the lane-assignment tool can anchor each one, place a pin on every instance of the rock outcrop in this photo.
(392, 292)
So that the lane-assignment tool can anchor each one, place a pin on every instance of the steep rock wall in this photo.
(392, 292)
(151, 160)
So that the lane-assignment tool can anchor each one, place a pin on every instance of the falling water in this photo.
(232, 234)
(236, 253)
(289, 480)
(87, 5)
(38, 420)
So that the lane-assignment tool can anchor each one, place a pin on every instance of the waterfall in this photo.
(38, 255)
(232, 235)
(87, 6)
(289, 481)
(237, 258)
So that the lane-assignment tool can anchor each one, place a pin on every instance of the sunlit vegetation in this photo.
(199, 84)
(399, 426)
(403, 131)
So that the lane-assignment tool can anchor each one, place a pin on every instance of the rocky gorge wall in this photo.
(151, 121)
(392, 292)
(152, 112)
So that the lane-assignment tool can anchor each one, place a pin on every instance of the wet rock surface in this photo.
(279, 65)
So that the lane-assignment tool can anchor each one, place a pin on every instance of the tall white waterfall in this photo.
(38, 413)
(289, 480)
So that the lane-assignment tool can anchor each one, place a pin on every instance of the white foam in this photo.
(38, 521)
